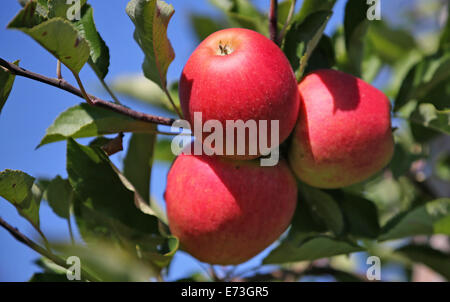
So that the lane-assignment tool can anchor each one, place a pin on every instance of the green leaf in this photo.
(107, 206)
(428, 219)
(151, 18)
(427, 115)
(427, 81)
(391, 45)
(59, 195)
(302, 38)
(323, 56)
(141, 89)
(49, 277)
(98, 185)
(59, 8)
(305, 240)
(360, 214)
(311, 249)
(107, 263)
(283, 12)
(18, 188)
(163, 151)
(242, 13)
(204, 26)
(355, 27)
(58, 36)
(444, 42)
(324, 207)
(85, 120)
(311, 6)
(434, 259)
(6, 84)
(137, 165)
(99, 52)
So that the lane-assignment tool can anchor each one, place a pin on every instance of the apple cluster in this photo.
(227, 209)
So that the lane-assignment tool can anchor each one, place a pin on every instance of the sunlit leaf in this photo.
(85, 120)
(151, 18)
(427, 219)
(6, 84)
(56, 35)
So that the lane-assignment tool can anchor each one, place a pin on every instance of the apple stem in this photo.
(273, 23)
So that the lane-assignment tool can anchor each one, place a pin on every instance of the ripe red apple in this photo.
(225, 212)
(239, 74)
(343, 134)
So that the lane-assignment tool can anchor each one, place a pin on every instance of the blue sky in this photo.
(32, 107)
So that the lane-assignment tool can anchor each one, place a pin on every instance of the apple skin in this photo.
(343, 134)
(225, 212)
(254, 81)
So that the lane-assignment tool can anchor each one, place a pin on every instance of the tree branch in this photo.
(273, 22)
(37, 248)
(64, 85)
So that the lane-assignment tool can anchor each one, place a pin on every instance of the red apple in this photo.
(225, 212)
(239, 74)
(343, 134)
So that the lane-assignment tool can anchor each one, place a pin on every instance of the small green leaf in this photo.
(163, 151)
(59, 195)
(59, 8)
(99, 52)
(355, 27)
(6, 84)
(427, 219)
(85, 120)
(311, 6)
(137, 165)
(309, 250)
(204, 26)
(391, 45)
(302, 38)
(427, 115)
(427, 81)
(151, 18)
(56, 35)
(17, 187)
(306, 239)
(98, 185)
(108, 263)
(324, 207)
(361, 215)
(434, 259)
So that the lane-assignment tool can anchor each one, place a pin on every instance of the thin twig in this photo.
(273, 23)
(83, 91)
(37, 248)
(69, 225)
(58, 70)
(166, 91)
(64, 85)
(288, 20)
(116, 100)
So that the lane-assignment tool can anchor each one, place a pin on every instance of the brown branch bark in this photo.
(64, 85)
(273, 21)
